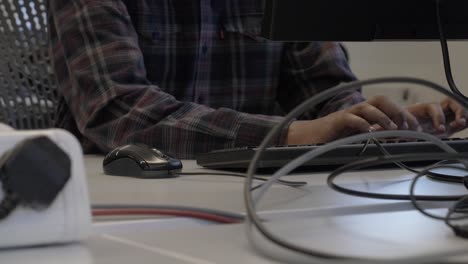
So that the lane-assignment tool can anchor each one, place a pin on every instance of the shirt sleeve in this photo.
(310, 68)
(102, 77)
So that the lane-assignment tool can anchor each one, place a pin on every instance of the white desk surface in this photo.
(314, 215)
(378, 235)
(226, 193)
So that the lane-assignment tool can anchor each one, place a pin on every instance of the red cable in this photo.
(198, 215)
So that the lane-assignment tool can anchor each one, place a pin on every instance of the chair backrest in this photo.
(28, 89)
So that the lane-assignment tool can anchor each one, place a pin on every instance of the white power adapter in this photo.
(68, 218)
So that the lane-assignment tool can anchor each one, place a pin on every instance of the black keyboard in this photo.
(275, 157)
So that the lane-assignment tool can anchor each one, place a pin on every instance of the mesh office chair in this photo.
(28, 90)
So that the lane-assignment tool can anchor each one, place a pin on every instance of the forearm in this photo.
(186, 131)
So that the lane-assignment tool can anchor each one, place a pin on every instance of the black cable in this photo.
(293, 184)
(240, 175)
(364, 148)
(459, 230)
(414, 199)
(458, 207)
(430, 174)
(438, 176)
(252, 216)
(446, 54)
(445, 177)
(381, 160)
(384, 152)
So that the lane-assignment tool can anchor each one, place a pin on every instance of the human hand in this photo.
(441, 119)
(376, 112)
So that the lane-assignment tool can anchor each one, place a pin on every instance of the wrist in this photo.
(291, 138)
(304, 132)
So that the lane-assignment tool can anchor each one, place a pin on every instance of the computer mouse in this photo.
(140, 161)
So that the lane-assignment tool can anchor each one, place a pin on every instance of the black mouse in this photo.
(140, 161)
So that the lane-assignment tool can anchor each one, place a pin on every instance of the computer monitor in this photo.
(363, 20)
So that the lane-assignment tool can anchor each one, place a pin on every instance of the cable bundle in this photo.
(308, 255)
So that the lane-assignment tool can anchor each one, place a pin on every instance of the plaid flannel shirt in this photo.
(185, 76)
